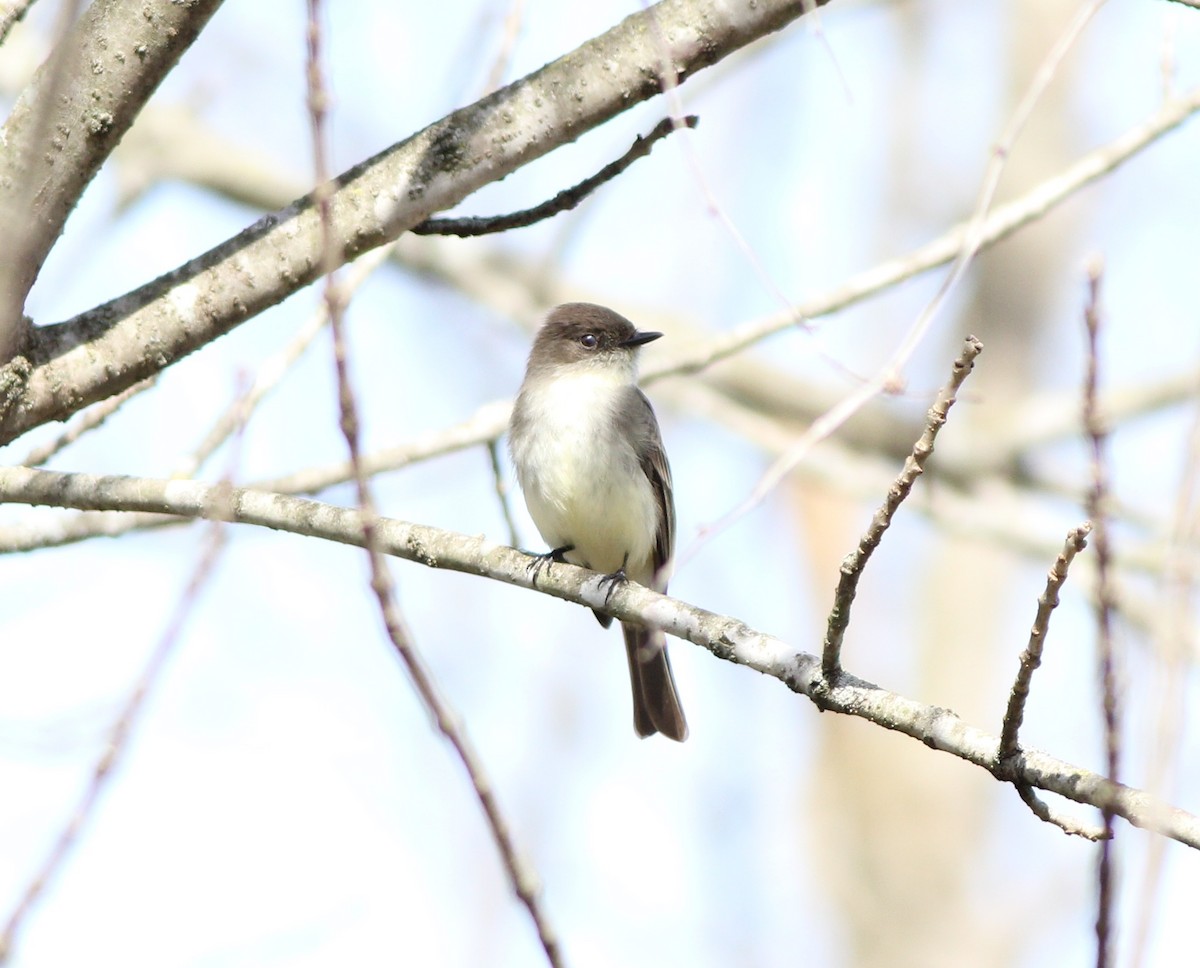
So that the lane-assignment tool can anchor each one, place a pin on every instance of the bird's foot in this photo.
(618, 577)
(546, 559)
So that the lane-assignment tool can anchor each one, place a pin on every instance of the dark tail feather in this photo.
(656, 706)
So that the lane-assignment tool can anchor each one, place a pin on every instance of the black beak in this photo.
(637, 339)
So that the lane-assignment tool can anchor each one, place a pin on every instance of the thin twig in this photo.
(1168, 60)
(890, 376)
(1031, 658)
(486, 424)
(272, 371)
(914, 466)
(1069, 825)
(237, 414)
(13, 15)
(493, 449)
(523, 879)
(564, 201)
(670, 87)
(508, 43)
(1097, 434)
(89, 420)
(1004, 220)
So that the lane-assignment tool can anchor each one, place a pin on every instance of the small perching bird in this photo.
(590, 460)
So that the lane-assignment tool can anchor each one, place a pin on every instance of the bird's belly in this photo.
(591, 493)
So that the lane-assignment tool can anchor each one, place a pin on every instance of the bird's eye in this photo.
(588, 341)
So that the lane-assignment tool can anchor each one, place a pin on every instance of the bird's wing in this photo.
(648, 441)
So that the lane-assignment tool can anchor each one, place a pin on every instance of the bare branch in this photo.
(727, 638)
(12, 14)
(890, 375)
(493, 449)
(564, 201)
(87, 421)
(1031, 658)
(67, 122)
(1068, 825)
(522, 878)
(490, 420)
(1002, 222)
(914, 466)
(1098, 513)
(103, 351)
(1034, 425)
(273, 370)
(484, 425)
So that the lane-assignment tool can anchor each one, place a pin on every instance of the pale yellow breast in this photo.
(588, 489)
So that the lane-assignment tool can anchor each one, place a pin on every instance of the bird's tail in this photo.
(656, 707)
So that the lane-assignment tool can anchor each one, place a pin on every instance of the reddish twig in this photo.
(1097, 435)
(523, 879)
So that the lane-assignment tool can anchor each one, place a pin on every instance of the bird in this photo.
(589, 457)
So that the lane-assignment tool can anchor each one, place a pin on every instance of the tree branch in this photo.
(172, 141)
(564, 201)
(914, 466)
(1002, 222)
(11, 14)
(1031, 658)
(115, 345)
(69, 119)
(1097, 510)
(726, 638)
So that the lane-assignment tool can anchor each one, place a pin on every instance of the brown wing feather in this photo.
(656, 706)
(658, 472)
